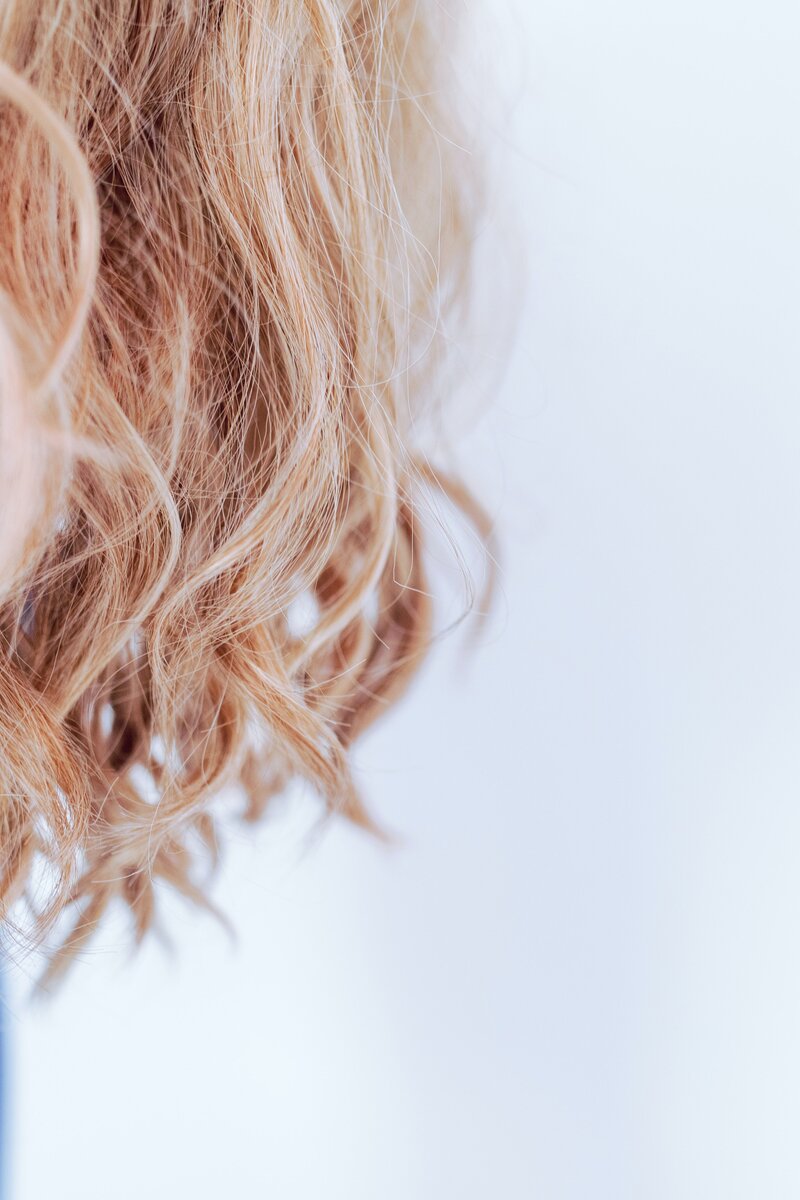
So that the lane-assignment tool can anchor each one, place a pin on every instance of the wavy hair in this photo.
(231, 231)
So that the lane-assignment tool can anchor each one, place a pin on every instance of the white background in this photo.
(579, 975)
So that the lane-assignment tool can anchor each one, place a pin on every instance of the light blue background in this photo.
(579, 978)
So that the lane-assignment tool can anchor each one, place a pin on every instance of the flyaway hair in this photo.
(231, 233)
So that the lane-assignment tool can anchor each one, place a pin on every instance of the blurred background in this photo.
(576, 976)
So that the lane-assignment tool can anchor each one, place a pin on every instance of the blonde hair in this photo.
(231, 231)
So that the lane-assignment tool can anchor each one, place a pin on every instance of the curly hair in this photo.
(231, 232)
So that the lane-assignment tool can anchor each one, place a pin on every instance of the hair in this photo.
(232, 231)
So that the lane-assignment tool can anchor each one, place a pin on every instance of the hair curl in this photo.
(230, 231)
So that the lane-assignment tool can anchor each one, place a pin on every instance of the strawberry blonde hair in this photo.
(231, 232)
